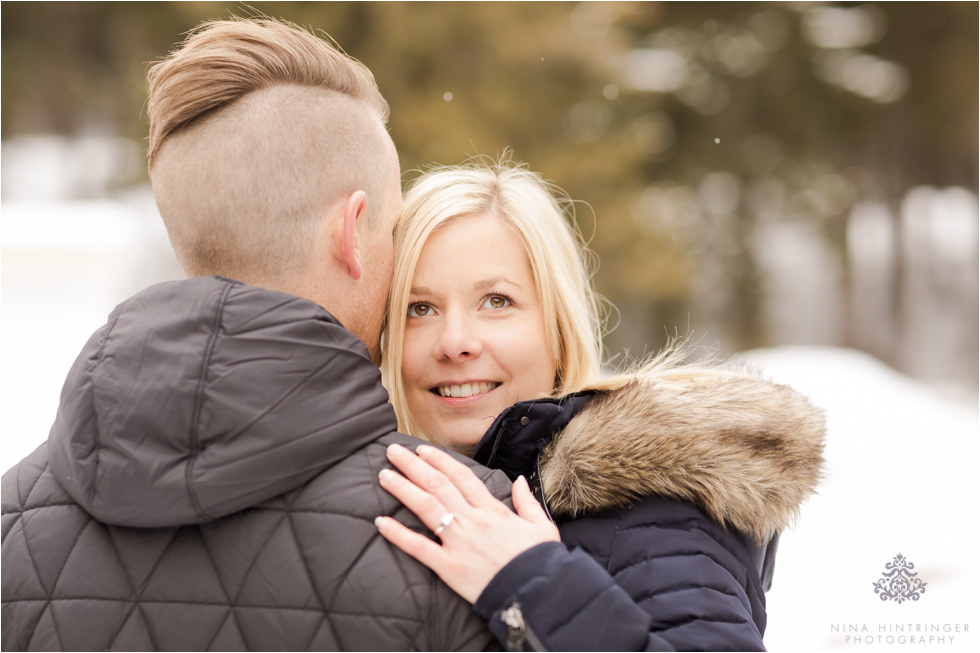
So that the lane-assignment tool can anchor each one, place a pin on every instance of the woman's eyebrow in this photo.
(483, 284)
(487, 284)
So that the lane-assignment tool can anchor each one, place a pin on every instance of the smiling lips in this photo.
(464, 389)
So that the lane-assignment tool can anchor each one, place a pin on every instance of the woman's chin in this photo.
(460, 440)
(459, 423)
(465, 449)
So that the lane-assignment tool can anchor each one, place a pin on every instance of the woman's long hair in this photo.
(559, 260)
(561, 264)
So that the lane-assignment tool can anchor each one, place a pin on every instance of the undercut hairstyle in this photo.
(257, 127)
(559, 261)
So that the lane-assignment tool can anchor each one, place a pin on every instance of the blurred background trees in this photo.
(749, 174)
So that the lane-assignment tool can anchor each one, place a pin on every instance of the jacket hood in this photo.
(202, 397)
(746, 451)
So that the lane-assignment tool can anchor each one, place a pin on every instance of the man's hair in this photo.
(558, 259)
(256, 128)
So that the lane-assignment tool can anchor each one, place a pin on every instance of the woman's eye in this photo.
(418, 309)
(496, 301)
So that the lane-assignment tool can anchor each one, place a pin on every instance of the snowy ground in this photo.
(901, 474)
(901, 478)
(63, 267)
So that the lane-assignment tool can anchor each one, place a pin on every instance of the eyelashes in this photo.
(488, 301)
(493, 301)
(419, 309)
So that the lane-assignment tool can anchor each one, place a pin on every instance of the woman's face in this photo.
(475, 335)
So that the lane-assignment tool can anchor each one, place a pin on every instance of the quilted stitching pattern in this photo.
(696, 580)
(289, 423)
(303, 571)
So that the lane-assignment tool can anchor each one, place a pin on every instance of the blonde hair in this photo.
(555, 250)
(256, 127)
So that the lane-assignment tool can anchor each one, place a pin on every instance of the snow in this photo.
(901, 459)
(64, 266)
(900, 478)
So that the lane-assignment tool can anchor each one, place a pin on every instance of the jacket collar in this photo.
(746, 451)
(520, 433)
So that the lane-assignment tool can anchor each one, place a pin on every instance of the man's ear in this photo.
(350, 245)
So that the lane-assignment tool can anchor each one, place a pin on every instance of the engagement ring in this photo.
(446, 520)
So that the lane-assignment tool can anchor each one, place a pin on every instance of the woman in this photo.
(668, 485)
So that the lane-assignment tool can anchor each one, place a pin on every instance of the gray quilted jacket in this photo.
(210, 482)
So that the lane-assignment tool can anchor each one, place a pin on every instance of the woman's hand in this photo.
(479, 533)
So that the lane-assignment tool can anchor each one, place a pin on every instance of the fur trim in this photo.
(745, 451)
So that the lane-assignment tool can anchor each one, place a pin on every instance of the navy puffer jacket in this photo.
(669, 495)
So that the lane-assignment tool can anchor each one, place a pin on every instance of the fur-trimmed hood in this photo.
(746, 451)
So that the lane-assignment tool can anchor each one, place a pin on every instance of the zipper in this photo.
(517, 631)
(496, 445)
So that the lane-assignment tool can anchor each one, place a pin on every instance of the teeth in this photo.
(466, 389)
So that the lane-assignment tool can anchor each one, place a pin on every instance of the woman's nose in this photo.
(458, 340)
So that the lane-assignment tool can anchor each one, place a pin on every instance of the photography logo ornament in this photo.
(898, 582)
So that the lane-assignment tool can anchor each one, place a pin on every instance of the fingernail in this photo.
(379, 523)
(384, 475)
(424, 450)
(395, 450)
(523, 481)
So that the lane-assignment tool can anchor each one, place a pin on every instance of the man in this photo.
(210, 481)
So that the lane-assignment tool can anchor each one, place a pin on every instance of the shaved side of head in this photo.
(242, 189)
(257, 128)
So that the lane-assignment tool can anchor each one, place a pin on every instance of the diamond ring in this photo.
(446, 520)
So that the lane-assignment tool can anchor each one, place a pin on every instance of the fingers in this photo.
(525, 504)
(479, 540)
(418, 546)
(426, 506)
(469, 484)
(427, 478)
(452, 482)
(528, 508)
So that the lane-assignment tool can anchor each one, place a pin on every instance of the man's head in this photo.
(271, 164)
